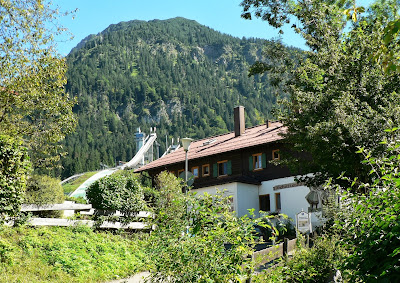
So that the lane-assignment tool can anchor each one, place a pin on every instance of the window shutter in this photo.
(251, 163)
(264, 160)
(215, 170)
(229, 167)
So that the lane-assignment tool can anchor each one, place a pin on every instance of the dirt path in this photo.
(137, 278)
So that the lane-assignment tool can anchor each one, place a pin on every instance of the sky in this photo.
(93, 16)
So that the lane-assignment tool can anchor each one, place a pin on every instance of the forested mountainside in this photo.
(176, 75)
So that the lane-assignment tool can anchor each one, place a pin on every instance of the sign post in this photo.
(303, 222)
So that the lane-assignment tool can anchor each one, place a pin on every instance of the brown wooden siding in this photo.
(240, 167)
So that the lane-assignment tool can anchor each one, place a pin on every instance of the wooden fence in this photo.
(267, 255)
(83, 209)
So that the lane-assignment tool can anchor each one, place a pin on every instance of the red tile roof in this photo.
(224, 143)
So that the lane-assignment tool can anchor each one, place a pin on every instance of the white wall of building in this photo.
(229, 189)
(292, 199)
(246, 196)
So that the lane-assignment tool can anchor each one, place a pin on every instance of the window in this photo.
(265, 204)
(223, 168)
(277, 201)
(276, 155)
(257, 161)
(206, 170)
(180, 171)
(195, 171)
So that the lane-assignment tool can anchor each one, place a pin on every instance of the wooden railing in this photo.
(269, 254)
(83, 209)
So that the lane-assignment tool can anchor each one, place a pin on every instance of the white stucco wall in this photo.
(292, 199)
(229, 189)
(246, 196)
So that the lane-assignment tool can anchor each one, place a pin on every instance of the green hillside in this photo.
(176, 75)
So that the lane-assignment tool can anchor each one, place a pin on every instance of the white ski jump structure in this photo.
(144, 154)
(146, 149)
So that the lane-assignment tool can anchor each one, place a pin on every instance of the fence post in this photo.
(285, 246)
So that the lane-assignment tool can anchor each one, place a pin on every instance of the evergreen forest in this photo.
(176, 75)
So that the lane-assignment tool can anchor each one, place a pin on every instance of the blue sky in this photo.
(94, 16)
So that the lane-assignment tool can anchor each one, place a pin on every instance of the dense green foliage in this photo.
(176, 75)
(189, 242)
(339, 97)
(370, 223)
(316, 264)
(14, 165)
(33, 102)
(67, 255)
(42, 189)
(121, 191)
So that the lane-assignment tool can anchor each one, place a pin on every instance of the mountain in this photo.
(176, 75)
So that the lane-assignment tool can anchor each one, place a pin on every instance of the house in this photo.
(239, 163)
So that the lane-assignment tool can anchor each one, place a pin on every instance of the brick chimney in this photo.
(268, 123)
(238, 115)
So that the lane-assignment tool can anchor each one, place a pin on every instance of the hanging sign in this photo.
(303, 222)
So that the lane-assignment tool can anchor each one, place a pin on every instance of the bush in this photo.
(276, 227)
(14, 164)
(316, 264)
(120, 191)
(42, 190)
(370, 221)
(189, 244)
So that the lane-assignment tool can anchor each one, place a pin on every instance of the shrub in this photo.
(316, 264)
(190, 242)
(42, 190)
(370, 221)
(120, 191)
(14, 164)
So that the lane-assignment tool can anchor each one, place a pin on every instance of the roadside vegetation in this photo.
(76, 254)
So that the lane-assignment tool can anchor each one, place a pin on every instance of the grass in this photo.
(72, 186)
(72, 254)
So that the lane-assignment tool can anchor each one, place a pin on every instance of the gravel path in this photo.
(137, 278)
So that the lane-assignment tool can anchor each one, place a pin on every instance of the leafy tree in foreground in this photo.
(188, 244)
(340, 97)
(370, 223)
(14, 164)
(33, 103)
